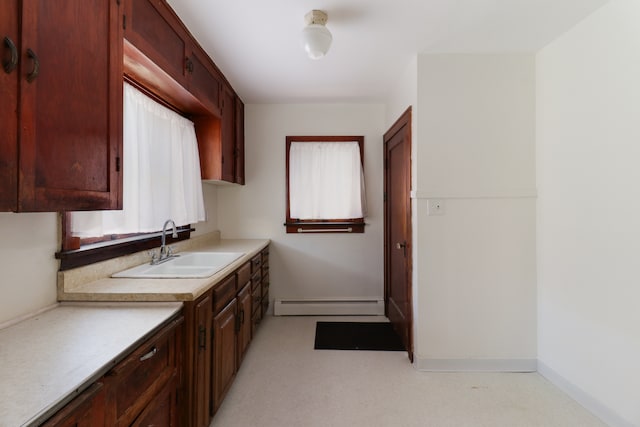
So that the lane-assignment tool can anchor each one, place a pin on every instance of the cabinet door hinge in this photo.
(118, 164)
(124, 22)
(384, 197)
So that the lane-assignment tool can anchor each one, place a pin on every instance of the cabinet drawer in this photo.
(256, 262)
(223, 293)
(256, 318)
(256, 279)
(141, 376)
(256, 299)
(86, 410)
(244, 275)
(265, 288)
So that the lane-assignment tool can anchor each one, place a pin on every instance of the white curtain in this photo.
(326, 180)
(161, 170)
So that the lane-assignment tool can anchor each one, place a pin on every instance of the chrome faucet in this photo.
(165, 251)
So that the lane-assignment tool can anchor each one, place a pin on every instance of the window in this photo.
(161, 170)
(325, 184)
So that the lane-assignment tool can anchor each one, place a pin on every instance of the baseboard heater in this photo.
(329, 307)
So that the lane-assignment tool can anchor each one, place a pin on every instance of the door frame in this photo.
(403, 123)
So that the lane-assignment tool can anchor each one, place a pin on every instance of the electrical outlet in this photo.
(435, 207)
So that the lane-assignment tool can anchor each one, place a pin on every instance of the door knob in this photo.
(403, 247)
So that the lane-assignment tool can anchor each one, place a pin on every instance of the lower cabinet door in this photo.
(162, 410)
(244, 322)
(224, 351)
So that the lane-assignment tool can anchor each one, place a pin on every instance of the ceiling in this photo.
(256, 43)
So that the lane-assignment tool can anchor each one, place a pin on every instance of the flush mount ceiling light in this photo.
(316, 38)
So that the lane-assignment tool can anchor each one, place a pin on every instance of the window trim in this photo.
(338, 225)
(77, 252)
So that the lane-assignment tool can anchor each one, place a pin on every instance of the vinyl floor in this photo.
(284, 382)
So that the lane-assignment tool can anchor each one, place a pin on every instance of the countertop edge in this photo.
(54, 401)
(123, 290)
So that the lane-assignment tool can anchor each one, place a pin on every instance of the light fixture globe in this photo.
(316, 38)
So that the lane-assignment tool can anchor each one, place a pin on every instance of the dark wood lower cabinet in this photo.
(180, 376)
(244, 321)
(225, 327)
(162, 411)
(141, 390)
(197, 411)
(86, 410)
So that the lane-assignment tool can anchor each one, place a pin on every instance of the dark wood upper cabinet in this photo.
(69, 81)
(165, 59)
(204, 80)
(154, 29)
(228, 134)
(239, 142)
(9, 75)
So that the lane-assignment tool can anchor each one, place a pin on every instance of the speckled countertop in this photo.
(93, 282)
(48, 359)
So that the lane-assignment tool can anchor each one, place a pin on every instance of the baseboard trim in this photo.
(592, 404)
(328, 307)
(477, 365)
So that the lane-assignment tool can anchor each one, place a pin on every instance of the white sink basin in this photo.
(187, 265)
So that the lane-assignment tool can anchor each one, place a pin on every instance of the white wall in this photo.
(588, 153)
(476, 287)
(27, 248)
(27, 258)
(307, 265)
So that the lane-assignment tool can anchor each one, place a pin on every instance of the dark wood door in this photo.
(70, 105)
(10, 53)
(224, 352)
(398, 305)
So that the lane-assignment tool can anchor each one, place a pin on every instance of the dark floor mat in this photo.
(357, 336)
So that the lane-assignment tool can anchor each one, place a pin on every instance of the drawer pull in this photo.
(149, 355)
(36, 66)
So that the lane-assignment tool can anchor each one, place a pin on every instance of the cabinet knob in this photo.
(12, 63)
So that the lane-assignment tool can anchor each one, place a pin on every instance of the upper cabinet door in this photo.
(71, 105)
(10, 50)
(228, 134)
(153, 28)
(204, 80)
(239, 141)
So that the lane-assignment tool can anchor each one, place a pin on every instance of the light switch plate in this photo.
(435, 207)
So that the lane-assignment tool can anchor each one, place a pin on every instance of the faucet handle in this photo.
(154, 257)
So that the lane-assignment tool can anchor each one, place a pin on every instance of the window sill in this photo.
(103, 251)
(324, 227)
